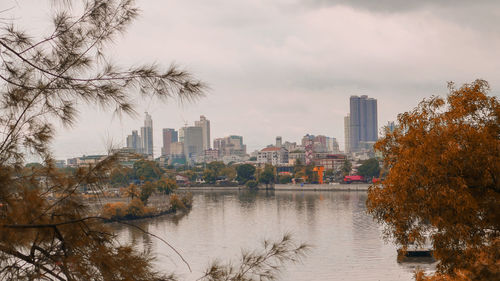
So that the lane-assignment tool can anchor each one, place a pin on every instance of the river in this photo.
(346, 243)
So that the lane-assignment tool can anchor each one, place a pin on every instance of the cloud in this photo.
(288, 67)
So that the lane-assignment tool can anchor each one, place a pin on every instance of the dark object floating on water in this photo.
(416, 255)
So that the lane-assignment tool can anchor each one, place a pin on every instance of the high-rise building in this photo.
(347, 134)
(231, 145)
(279, 141)
(204, 124)
(147, 135)
(169, 136)
(363, 126)
(134, 142)
(331, 145)
(193, 141)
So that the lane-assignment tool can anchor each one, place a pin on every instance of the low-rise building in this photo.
(230, 145)
(329, 161)
(85, 160)
(273, 155)
(210, 155)
(296, 155)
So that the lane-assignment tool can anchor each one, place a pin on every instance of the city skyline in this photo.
(288, 67)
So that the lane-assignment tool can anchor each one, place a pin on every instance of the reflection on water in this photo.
(347, 243)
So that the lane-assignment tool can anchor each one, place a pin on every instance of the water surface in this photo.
(347, 243)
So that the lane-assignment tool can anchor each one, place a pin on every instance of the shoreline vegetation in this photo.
(136, 209)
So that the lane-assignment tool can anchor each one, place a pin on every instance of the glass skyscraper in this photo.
(363, 125)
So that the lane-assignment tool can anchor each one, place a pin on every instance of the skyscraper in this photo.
(347, 133)
(363, 126)
(169, 136)
(147, 135)
(279, 141)
(204, 124)
(134, 142)
(193, 141)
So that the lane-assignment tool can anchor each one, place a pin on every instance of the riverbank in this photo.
(289, 187)
(322, 187)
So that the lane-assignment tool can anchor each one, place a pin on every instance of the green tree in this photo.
(209, 176)
(245, 173)
(147, 190)
(284, 179)
(191, 175)
(166, 185)
(310, 174)
(443, 182)
(147, 170)
(121, 176)
(268, 175)
(369, 168)
(213, 171)
(346, 168)
(216, 166)
(298, 166)
(229, 172)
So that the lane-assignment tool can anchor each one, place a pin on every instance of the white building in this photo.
(273, 155)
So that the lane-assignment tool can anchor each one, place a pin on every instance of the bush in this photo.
(176, 202)
(135, 208)
(252, 184)
(187, 200)
(284, 179)
(114, 210)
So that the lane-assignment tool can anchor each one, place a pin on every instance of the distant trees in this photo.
(346, 168)
(121, 176)
(284, 179)
(213, 171)
(166, 186)
(146, 170)
(443, 182)
(245, 172)
(369, 168)
(147, 190)
(268, 175)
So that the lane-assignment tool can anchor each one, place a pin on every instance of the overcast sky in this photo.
(288, 67)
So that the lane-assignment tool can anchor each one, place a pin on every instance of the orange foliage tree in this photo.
(443, 182)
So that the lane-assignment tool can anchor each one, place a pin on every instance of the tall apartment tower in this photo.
(204, 124)
(134, 142)
(279, 141)
(193, 141)
(363, 121)
(169, 136)
(147, 135)
(347, 134)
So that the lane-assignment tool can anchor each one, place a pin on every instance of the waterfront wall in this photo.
(291, 187)
(322, 187)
